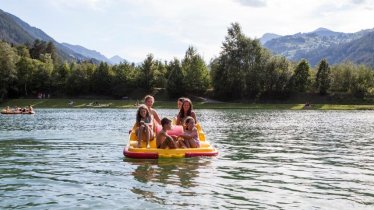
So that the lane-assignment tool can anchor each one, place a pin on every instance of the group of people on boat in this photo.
(18, 110)
(147, 121)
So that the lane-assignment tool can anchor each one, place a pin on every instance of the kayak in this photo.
(17, 112)
(131, 151)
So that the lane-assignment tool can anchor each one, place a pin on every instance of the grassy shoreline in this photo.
(130, 104)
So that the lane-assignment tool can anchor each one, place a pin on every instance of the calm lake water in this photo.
(72, 159)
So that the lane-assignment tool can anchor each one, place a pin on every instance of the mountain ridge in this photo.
(311, 45)
(15, 30)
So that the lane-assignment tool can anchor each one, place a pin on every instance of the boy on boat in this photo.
(163, 140)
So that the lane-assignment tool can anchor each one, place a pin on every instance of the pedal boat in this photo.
(131, 151)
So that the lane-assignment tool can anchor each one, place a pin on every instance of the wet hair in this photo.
(138, 116)
(147, 97)
(187, 120)
(165, 121)
(181, 112)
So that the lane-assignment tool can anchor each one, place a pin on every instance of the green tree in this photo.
(342, 77)
(363, 81)
(275, 78)
(323, 78)
(60, 76)
(41, 80)
(38, 48)
(195, 71)
(239, 70)
(301, 76)
(146, 72)
(159, 75)
(51, 49)
(8, 72)
(228, 70)
(125, 79)
(175, 85)
(23, 51)
(25, 71)
(102, 79)
(79, 80)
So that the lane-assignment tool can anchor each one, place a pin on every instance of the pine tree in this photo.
(175, 85)
(196, 72)
(323, 78)
(301, 76)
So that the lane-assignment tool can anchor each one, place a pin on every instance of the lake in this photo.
(72, 159)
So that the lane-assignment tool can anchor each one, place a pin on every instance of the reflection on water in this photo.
(177, 172)
(166, 177)
(71, 158)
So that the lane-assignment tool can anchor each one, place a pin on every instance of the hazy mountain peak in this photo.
(87, 52)
(325, 32)
(267, 37)
(320, 29)
(116, 59)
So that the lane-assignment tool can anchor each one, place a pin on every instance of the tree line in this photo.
(243, 70)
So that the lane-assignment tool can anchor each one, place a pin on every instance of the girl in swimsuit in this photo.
(190, 135)
(149, 100)
(145, 125)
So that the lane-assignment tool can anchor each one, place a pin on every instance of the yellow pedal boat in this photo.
(131, 151)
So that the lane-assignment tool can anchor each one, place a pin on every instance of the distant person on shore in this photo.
(144, 124)
(307, 105)
(185, 111)
(163, 140)
(190, 136)
(149, 100)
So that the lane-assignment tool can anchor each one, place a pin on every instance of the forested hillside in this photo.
(319, 44)
(244, 70)
(16, 31)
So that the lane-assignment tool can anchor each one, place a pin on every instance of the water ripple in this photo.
(72, 158)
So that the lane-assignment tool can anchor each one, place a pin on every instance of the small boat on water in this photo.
(132, 151)
(15, 112)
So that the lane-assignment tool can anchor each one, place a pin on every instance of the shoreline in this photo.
(130, 104)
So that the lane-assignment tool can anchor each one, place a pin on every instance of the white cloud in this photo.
(358, 1)
(96, 5)
(252, 3)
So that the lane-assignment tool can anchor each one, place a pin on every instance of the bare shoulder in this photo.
(153, 111)
(193, 114)
(161, 134)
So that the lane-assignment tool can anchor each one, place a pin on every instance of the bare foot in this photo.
(148, 146)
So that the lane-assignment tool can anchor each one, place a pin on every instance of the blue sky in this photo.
(133, 29)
